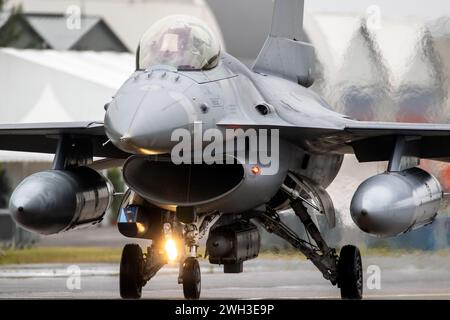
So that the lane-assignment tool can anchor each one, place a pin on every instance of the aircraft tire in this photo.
(191, 279)
(131, 269)
(350, 273)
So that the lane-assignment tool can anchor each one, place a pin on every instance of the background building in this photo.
(128, 19)
(50, 31)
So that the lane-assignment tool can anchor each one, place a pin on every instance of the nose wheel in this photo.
(190, 270)
(350, 273)
(191, 279)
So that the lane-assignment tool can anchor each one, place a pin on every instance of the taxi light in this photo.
(171, 249)
(140, 228)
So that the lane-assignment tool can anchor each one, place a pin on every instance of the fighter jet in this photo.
(211, 148)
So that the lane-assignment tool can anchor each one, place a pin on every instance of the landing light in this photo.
(171, 249)
(140, 228)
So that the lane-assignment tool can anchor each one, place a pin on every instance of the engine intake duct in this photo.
(166, 183)
(233, 244)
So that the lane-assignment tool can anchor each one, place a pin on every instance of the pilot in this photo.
(182, 42)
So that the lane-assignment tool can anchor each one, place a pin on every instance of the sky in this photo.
(244, 23)
(427, 9)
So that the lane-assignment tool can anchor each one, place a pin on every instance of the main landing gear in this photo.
(136, 269)
(345, 270)
(131, 272)
(350, 273)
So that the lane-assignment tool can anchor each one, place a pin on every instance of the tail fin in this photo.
(287, 20)
(283, 54)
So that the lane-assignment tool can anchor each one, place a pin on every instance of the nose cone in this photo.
(381, 206)
(39, 204)
(144, 125)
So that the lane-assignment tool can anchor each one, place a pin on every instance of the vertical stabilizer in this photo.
(287, 19)
(283, 54)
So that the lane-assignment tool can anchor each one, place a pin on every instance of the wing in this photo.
(43, 137)
(369, 141)
(375, 141)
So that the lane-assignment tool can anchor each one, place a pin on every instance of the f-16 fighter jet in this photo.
(211, 148)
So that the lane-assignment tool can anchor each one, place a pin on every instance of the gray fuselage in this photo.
(153, 103)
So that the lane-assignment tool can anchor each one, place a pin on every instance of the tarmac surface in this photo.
(421, 276)
(424, 276)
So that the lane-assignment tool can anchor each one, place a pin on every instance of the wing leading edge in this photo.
(43, 137)
(375, 141)
(369, 141)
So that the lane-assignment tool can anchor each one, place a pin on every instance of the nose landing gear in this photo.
(190, 275)
(137, 268)
(191, 278)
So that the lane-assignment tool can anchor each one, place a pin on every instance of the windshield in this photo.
(183, 42)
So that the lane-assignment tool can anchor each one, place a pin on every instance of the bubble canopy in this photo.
(183, 42)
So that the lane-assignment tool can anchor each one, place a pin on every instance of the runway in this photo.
(405, 277)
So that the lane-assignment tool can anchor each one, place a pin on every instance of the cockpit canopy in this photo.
(183, 42)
